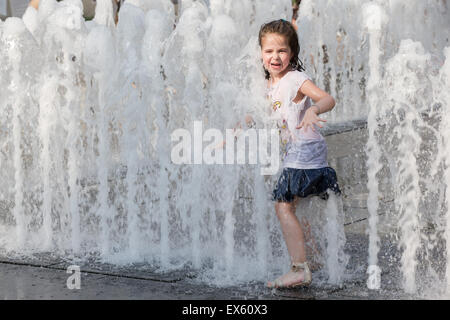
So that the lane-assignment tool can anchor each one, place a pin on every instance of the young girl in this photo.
(305, 168)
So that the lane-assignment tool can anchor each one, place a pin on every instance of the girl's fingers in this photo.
(303, 125)
(220, 145)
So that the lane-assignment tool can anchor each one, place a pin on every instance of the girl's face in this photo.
(276, 54)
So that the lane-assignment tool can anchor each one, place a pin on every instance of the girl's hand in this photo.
(220, 145)
(320, 98)
(310, 119)
(249, 121)
(236, 133)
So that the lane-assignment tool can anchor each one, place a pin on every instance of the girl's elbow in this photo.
(332, 102)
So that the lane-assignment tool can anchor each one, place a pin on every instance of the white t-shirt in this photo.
(305, 149)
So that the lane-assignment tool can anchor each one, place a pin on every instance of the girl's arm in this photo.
(34, 4)
(237, 128)
(323, 102)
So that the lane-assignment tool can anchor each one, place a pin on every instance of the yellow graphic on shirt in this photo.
(276, 105)
(280, 131)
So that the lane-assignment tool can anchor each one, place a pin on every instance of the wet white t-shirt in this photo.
(305, 149)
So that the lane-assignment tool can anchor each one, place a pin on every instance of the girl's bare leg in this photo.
(295, 241)
(312, 251)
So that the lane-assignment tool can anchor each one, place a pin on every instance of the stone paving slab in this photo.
(136, 271)
(36, 259)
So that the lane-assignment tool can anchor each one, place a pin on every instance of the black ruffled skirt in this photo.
(305, 182)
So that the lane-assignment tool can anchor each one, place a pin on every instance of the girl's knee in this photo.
(287, 205)
(284, 208)
(282, 205)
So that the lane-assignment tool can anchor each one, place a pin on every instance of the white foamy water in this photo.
(374, 22)
(382, 67)
(407, 132)
(442, 80)
(86, 119)
(335, 45)
(88, 109)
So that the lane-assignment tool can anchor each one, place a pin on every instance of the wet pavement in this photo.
(44, 277)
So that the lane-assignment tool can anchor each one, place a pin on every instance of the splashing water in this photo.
(391, 72)
(375, 19)
(87, 119)
(89, 108)
(406, 125)
(336, 259)
(443, 80)
(335, 44)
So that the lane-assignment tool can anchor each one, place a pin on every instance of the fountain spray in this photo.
(375, 19)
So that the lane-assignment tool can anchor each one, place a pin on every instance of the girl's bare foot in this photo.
(299, 275)
(287, 280)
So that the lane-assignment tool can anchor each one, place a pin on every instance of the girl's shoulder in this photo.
(297, 77)
(294, 79)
